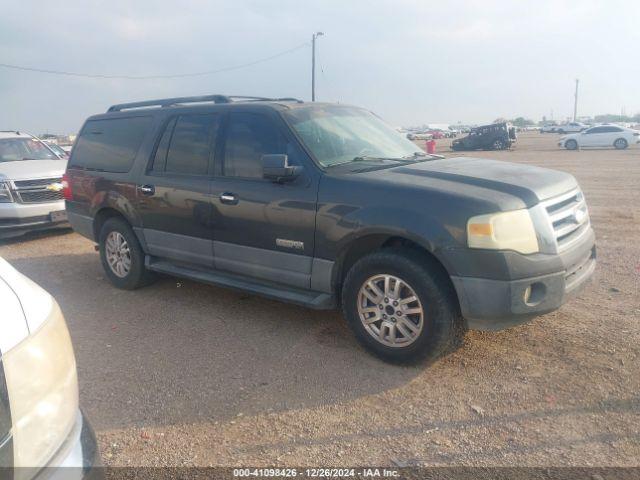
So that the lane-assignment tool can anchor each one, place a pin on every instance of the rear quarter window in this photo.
(110, 144)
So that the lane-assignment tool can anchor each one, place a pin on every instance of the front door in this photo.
(594, 137)
(262, 229)
(174, 197)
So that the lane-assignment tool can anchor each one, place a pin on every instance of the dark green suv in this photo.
(326, 206)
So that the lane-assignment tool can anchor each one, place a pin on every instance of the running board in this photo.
(306, 298)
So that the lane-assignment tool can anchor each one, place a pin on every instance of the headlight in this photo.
(503, 231)
(42, 386)
(5, 194)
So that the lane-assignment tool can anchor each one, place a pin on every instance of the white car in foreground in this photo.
(601, 136)
(43, 433)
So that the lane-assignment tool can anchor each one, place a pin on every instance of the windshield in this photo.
(337, 135)
(16, 149)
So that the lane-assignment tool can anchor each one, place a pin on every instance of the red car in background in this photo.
(436, 134)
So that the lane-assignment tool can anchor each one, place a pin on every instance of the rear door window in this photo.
(110, 145)
(187, 144)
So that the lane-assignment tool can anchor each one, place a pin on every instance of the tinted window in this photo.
(110, 145)
(250, 136)
(160, 157)
(612, 129)
(596, 130)
(191, 143)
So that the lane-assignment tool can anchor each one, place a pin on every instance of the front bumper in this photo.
(19, 218)
(490, 304)
(78, 458)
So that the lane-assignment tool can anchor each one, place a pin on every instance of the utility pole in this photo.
(313, 64)
(575, 105)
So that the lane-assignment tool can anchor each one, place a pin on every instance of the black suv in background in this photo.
(325, 205)
(497, 136)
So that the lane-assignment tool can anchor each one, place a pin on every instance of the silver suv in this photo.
(31, 190)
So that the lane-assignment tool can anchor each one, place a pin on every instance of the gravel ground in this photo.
(181, 373)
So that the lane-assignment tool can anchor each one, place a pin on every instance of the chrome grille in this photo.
(36, 190)
(38, 182)
(568, 216)
(39, 196)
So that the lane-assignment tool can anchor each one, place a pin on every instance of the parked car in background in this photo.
(419, 136)
(30, 185)
(58, 150)
(437, 134)
(571, 127)
(601, 136)
(323, 205)
(41, 425)
(549, 128)
(497, 136)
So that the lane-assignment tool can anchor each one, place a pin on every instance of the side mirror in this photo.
(277, 169)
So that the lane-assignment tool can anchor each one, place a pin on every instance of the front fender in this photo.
(337, 235)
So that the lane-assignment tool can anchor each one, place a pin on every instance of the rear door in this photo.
(173, 194)
(263, 229)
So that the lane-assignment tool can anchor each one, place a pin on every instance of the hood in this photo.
(508, 185)
(28, 169)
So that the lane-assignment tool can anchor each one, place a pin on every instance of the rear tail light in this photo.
(67, 193)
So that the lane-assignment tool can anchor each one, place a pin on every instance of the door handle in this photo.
(147, 190)
(228, 198)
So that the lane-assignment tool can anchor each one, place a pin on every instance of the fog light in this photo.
(534, 294)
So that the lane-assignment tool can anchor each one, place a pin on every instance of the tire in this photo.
(498, 145)
(571, 145)
(620, 144)
(435, 331)
(112, 234)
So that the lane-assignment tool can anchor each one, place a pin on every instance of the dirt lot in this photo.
(186, 374)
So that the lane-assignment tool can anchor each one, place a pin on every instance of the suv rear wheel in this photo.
(399, 308)
(121, 255)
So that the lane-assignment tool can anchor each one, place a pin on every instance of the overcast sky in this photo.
(412, 61)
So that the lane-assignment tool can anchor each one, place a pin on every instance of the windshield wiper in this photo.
(366, 158)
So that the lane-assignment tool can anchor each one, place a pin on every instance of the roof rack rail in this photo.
(167, 102)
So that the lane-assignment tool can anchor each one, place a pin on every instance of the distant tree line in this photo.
(605, 118)
(517, 122)
(610, 118)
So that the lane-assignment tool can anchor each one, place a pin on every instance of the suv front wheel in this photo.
(400, 307)
(122, 256)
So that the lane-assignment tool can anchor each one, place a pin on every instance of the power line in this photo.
(151, 77)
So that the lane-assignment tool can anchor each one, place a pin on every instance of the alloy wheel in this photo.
(118, 254)
(390, 310)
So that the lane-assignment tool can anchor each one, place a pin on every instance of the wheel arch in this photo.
(372, 242)
(104, 214)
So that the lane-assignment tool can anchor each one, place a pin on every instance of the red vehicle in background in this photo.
(436, 134)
